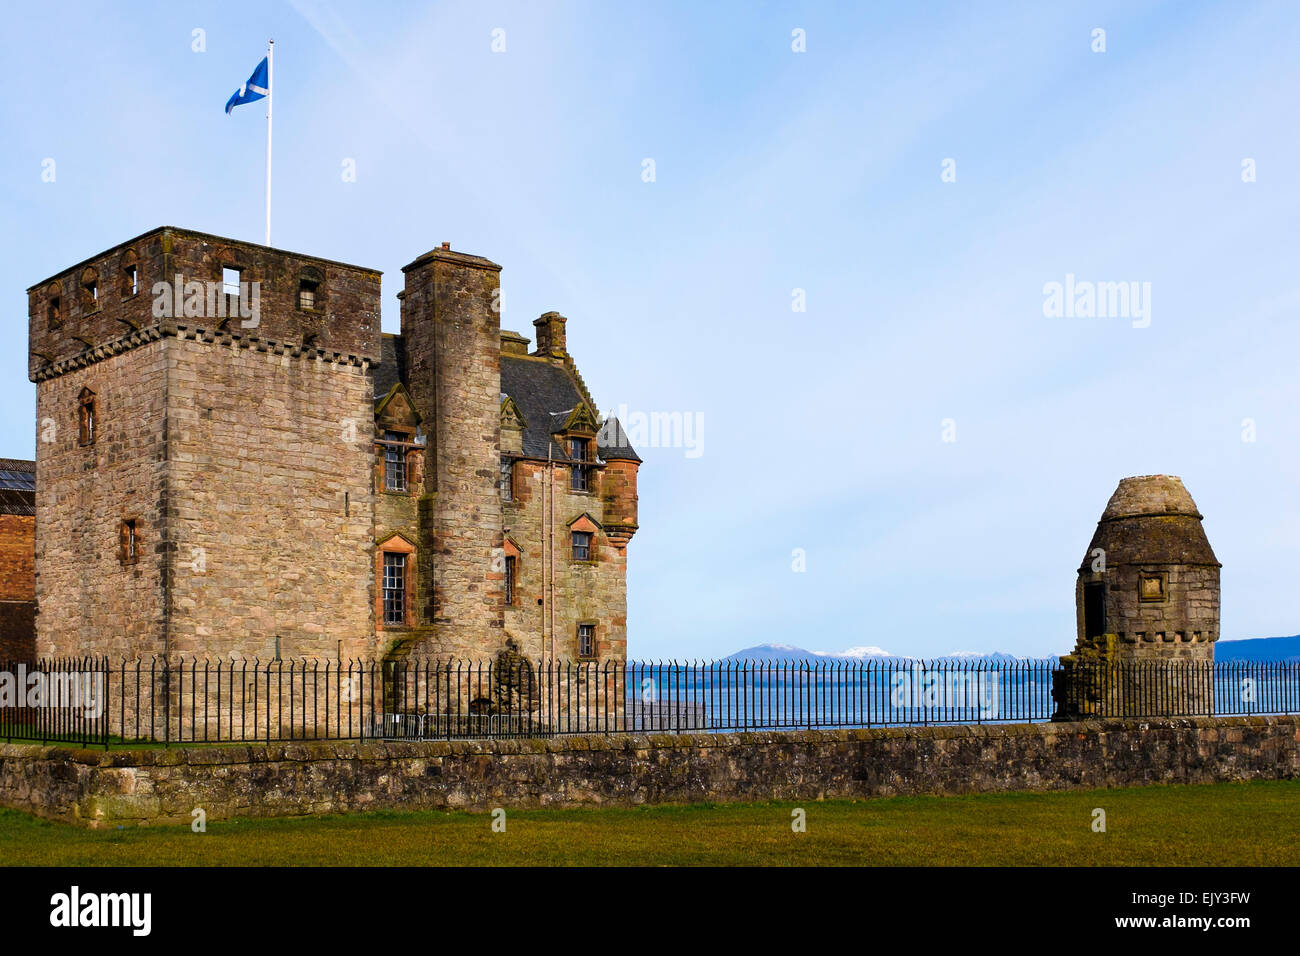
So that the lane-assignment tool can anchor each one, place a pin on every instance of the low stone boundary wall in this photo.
(107, 788)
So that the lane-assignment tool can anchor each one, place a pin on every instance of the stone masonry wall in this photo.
(271, 511)
(105, 789)
(585, 592)
(452, 332)
(90, 602)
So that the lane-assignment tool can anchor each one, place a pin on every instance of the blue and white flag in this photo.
(258, 86)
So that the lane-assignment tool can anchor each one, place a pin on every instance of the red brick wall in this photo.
(17, 588)
(17, 551)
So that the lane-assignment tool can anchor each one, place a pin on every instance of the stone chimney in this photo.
(550, 335)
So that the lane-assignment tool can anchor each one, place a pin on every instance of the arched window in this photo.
(130, 270)
(90, 290)
(54, 306)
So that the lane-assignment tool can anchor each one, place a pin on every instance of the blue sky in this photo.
(774, 171)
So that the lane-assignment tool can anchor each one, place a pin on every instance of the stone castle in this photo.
(233, 461)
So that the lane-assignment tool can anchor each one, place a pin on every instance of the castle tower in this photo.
(452, 334)
(1147, 591)
(204, 452)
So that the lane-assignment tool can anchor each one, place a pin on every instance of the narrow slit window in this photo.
(130, 542)
(510, 578)
(507, 480)
(130, 281)
(86, 422)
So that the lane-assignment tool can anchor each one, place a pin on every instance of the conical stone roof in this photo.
(1151, 519)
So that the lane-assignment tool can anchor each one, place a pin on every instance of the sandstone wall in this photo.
(90, 602)
(271, 508)
(452, 332)
(164, 785)
(593, 591)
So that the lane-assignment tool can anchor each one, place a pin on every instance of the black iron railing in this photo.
(92, 701)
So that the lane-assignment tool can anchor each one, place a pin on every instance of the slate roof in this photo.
(544, 392)
(545, 395)
(17, 487)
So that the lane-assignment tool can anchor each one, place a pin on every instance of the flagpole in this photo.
(270, 91)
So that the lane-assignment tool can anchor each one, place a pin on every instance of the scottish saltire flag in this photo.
(258, 86)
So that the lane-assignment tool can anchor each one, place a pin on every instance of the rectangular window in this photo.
(130, 542)
(55, 314)
(394, 462)
(582, 546)
(586, 640)
(394, 588)
(579, 474)
(510, 579)
(230, 280)
(306, 295)
(507, 480)
(131, 282)
(92, 294)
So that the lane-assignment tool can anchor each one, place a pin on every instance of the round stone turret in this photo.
(1148, 586)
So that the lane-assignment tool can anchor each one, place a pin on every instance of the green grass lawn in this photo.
(1219, 824)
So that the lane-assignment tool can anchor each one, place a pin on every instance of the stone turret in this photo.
(1148, 590)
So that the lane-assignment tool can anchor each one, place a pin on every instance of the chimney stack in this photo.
(550, 335)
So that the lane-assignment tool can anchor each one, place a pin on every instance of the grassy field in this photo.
(1220, 824)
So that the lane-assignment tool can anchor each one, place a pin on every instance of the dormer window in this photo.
(580, 474)
(394, 462)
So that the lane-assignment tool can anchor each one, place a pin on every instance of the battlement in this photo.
(169, 281)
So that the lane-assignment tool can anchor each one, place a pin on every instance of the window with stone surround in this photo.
(579, 475)
(307, 294)
(581, 545)
(130, 274)
(54, 308)
(507, 480)
(129, 542)
(395, 477)
(86, 423)
(511, 565)
(394, 585)
(587, 640)
(90, 290)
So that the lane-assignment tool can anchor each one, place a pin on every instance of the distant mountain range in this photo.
(1254, 649)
